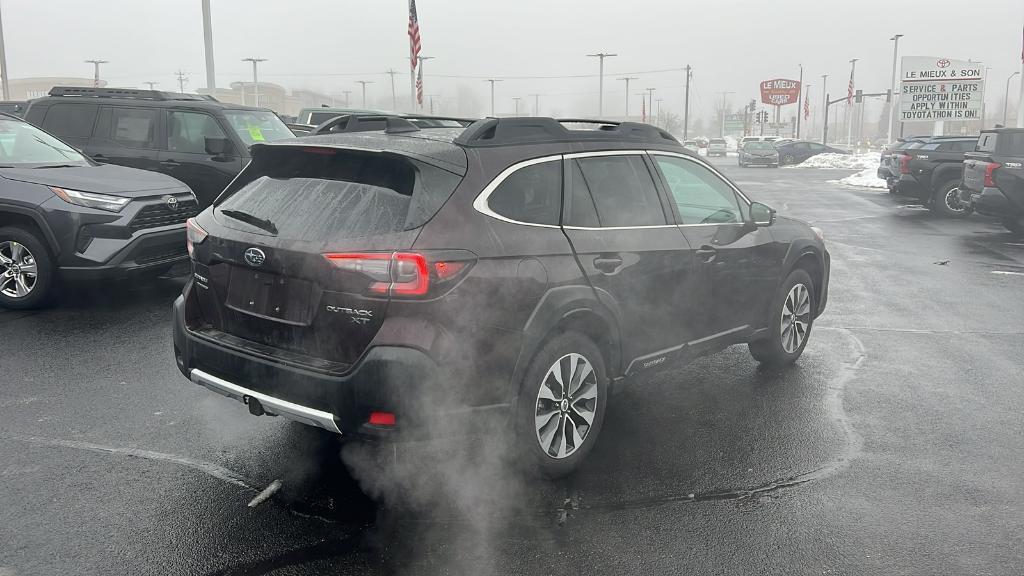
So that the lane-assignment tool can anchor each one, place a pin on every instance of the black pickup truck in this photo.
(932, 172)
(993, 179)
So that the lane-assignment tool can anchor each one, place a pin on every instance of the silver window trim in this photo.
(481, 205)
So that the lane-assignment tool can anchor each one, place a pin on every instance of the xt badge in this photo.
(356, 315)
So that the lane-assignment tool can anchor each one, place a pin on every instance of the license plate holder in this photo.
(272, 296)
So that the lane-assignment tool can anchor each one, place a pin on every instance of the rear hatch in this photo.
(305, 250)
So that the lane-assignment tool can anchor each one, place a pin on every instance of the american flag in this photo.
(419, 86)
(807, 106)
(414, 35)
(849, 89)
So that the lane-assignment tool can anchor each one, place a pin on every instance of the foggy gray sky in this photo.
(327, 45)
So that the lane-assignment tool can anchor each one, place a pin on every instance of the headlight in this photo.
(91, 199)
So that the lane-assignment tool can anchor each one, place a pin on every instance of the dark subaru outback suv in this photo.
(64, 217)
(512, 273)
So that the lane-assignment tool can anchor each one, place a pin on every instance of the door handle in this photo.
(607, 264)
(707, 253)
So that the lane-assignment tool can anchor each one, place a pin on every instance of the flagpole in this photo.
(849, 103)
(1020, 97)
(799, 102)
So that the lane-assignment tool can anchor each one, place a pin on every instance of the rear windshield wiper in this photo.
(261, 223)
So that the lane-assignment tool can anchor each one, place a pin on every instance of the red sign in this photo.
(780, 92)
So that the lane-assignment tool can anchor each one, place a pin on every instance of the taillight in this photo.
(194, 234)
(904, 164)
(381, 419)
(404, 274)
(990, 170)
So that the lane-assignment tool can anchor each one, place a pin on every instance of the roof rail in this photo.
(529, 130)
(127, 93)
(357, 123)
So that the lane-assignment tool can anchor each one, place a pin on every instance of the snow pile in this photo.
(866, 178)
(842, 161)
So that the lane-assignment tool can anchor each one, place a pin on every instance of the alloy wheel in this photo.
(952, 200)
(18, 270)
(566, 406)
(796, 318)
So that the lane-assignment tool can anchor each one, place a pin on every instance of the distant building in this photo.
(29, 88)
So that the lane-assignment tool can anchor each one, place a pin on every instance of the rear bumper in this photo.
(760, 161)
(150, 252)
(907, 184)
(993, 203)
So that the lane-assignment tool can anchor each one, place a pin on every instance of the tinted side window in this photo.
(133, 127)
(623, 190)
(531, 194)
(700, 196)
(1012, 143)
(70, 120)
(187, 131)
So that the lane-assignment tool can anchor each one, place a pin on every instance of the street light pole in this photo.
(799, 102)
(1006, 98)
(892, 86)
(516, 100)
(824, 108)
(686, 105)
(255, 80)
(659, 122)
(211, 76)
(650, 102)
(492, 81)
(364, 83)
(347, 93)
(600, 80)
(3, 64)
(394, 96)
(724, 94)
(96, 71)
(536, 104)
(627, 79)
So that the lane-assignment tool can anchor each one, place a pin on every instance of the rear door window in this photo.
(70, 120)
(327, 195)
(133, 127)
(532, 194)
(623, 190)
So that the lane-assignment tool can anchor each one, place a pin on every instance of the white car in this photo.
(717, 147)
(691, 145)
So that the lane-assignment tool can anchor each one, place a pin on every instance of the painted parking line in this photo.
(1007, 273)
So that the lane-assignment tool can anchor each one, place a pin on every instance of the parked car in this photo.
(384, 283)
(316, 116)
(691, 145)
(796, 151)
(932, 173)
(65, 217)
(885, 170)
(758, 154)
(192, 138)
(13, 107)
(717, 147)
(993, 177)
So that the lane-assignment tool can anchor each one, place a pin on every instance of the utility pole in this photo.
(211, 77)
(151, 84)
(3, 64)
(643, 98)
(422, 81)
(686, 105)
(627, 79)
(96, 71)
(181, 82)
(1020, 97)
(724, 94)
(892, 86)
(394, 96)
(600, 80)
(800, 102)
(255, 81)
(1006, 98)
(536, 104)
(824, 108)
(516, 100)
(659, 122)
(431, 98)
(849, 105)
(347, 93)
(364, 83)
(492, 81)
(650, 101)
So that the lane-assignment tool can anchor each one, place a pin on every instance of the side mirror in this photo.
(761, 215)
(217, 146)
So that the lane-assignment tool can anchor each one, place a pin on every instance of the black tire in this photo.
(563, 410)
(38, 256)
(772, 350)
(946, 201)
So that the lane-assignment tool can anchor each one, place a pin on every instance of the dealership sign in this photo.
(780, 92)
(934, 89)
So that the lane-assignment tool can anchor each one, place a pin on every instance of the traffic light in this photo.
(858, 96)
(752, 106)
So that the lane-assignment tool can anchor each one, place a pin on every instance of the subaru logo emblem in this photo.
(255, 257)
(172, 202)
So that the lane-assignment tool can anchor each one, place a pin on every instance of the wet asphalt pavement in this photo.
(894, 446)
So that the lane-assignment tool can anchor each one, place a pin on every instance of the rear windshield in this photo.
(324, 194)
(758, 146)
(717, 141)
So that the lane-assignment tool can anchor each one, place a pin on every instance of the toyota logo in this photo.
(942, 63)
(171, 202)
(255, 257)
